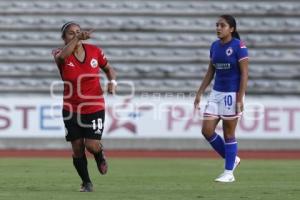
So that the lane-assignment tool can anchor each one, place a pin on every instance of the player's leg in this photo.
(81, 165)
(210, 122)
(227, 110)
(231, 145)
(93, 136)
(208, 130)
(231, 148)
(230, 118)
(96, 148)
(73, 135)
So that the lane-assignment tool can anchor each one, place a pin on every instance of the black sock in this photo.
(81, 166)
(99, 157)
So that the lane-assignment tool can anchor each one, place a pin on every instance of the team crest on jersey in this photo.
(229, 51)
(94, 63)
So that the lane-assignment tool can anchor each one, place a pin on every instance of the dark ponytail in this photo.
(236, 35)
(232, 23)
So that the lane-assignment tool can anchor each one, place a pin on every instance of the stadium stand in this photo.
(150, 40)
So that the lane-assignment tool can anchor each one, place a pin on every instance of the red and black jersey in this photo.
(82, 91)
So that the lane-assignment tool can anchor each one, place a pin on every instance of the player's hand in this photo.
(197, 102)
(84, 35)
(240, 106)
(111, 87)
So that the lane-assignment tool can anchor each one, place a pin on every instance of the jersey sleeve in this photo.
(102, 59)
(242, 51)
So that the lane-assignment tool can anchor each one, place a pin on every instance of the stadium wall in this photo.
(150, 122)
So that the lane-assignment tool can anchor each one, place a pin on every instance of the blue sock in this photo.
(230, 153)
(217, 144)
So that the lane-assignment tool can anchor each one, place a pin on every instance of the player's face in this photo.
(71, 32)
(223, 29)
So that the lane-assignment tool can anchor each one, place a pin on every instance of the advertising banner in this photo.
(151, 117)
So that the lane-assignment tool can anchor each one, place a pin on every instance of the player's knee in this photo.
(78, 153)
(92, 148)
(229, 136)
(229, 133)
(206, 132)
(78, 148)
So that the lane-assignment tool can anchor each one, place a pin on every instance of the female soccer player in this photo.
(79, 65)
(229, 66)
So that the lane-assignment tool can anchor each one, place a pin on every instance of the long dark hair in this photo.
(232, 23)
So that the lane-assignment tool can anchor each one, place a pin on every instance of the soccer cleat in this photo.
(86, 187)
(103, 166)
(236, 162)
(225, 177)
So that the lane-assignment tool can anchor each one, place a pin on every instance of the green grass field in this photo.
(143, 179)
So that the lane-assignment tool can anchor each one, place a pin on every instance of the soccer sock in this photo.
(217, 143)
(80, 165)
(99, 157)
(230, 153)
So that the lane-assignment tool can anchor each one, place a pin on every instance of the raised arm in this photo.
(70, 47)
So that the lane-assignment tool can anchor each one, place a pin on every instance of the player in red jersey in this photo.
(79, 65)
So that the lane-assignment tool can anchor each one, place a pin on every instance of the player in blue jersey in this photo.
(229, 67)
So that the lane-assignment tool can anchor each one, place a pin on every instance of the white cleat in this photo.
(236, 162)
(225, 177)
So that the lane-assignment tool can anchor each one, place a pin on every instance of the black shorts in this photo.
(83, 125)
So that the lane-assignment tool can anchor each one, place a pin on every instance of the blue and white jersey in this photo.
(225, 59)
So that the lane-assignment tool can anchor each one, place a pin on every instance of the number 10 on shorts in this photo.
(97, 124)
(228, 100)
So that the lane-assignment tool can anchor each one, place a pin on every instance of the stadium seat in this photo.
(166, 40)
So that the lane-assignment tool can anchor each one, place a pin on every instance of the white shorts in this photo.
(221, 105)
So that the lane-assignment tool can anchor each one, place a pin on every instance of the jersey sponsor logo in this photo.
(229, 51)
(222, 65)
(94, 63)
(70, 64)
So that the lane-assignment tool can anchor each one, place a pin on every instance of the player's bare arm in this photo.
(111, 76)
(206, 81)
(75, 36)
(243, 84)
